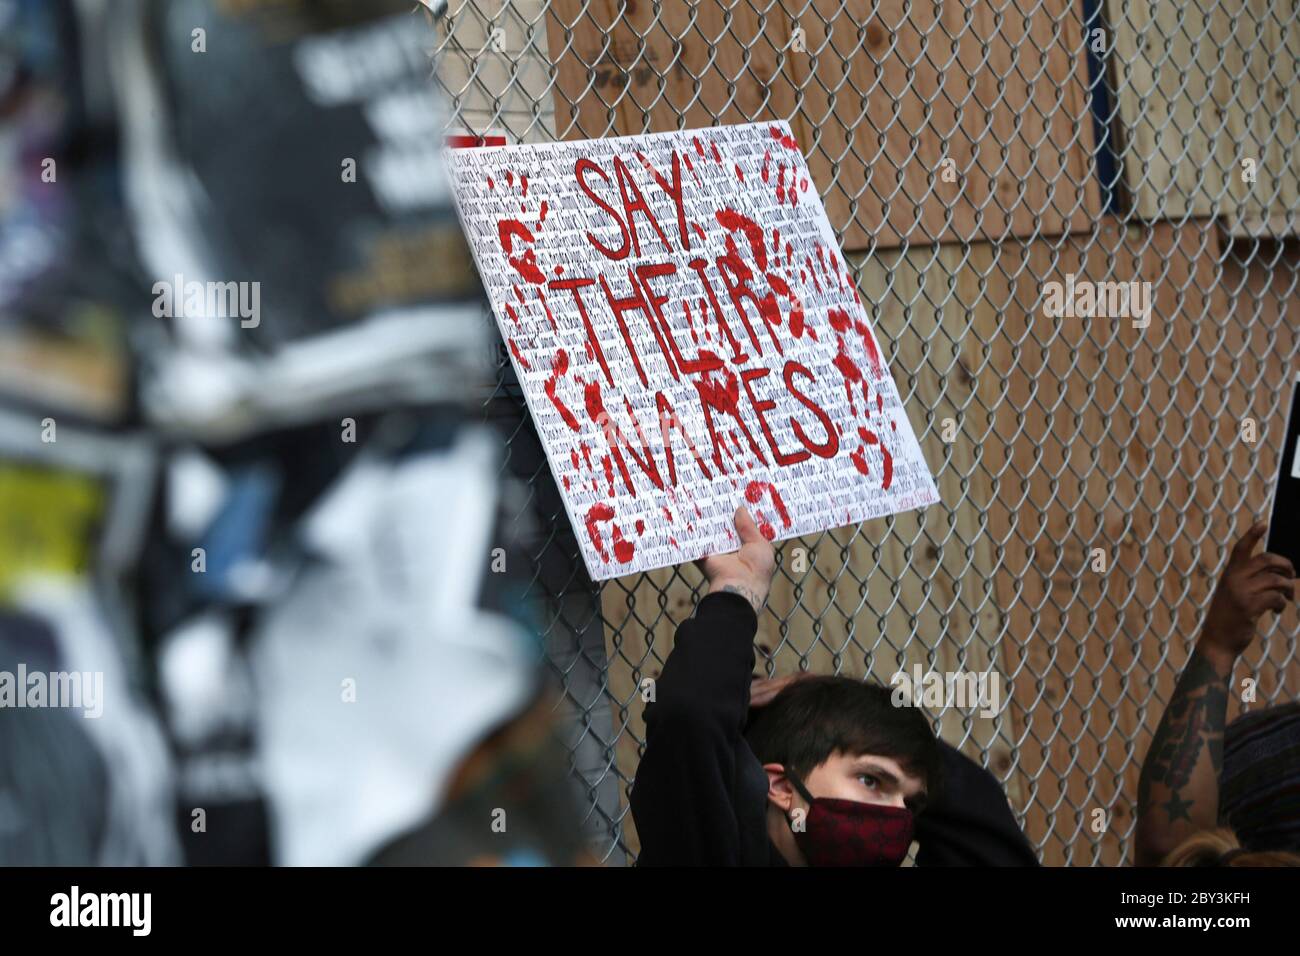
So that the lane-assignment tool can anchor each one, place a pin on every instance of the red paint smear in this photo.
(849, 369)
(559, 270)
(780, 287)
(566, 482)
(780, 185)
(510, 311)
(691, 166)
(526, 265)
(813, 272)
(519, 294)
(674, 543)
(514, 350)
(523, 207)
(740, 173)
(591, 395)
(873, 353)
(586, 455)
(549, 317)
(491, 184)
(667, 514)
(523, 181)
(859, 459)
(510, 178)
(789, 142)
(717, 157)
(839, 320)
(623, 550)
(609, 472)
(733, 221)
(699, 147)
(754, 493)
(698, 231)
(880, 402)
(573, 457)
(889, 468)
(767, 162)
(789, 253)
(558, 368)
(640, 526)
(545, 207)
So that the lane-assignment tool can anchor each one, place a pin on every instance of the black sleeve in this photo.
(971, 823)
(683, 799)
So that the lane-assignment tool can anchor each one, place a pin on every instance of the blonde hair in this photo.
(1221, 848)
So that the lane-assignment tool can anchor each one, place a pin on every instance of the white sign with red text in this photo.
(688, 338)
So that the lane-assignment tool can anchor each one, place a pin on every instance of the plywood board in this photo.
(876, 94)
(1204, 102)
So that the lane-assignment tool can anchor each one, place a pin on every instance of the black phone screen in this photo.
(1284, 525)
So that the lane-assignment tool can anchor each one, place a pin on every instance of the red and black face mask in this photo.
(849, 833)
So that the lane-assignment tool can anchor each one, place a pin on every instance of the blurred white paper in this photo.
(377, 673)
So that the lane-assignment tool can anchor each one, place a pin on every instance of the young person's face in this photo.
(866, 778)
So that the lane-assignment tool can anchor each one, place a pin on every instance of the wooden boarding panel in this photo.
(1201, 90)
(892, 90)
(878, 100)
(639, 67)
(1125, 440)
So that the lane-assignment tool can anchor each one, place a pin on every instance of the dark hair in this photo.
(816, 717)
(1219, 847)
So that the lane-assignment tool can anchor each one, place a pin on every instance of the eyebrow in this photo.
(866, 764)
(869, 765)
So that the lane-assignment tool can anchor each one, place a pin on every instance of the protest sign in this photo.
(689, 338)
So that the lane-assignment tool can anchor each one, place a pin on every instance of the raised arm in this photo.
(1178, 791)
(683, 800)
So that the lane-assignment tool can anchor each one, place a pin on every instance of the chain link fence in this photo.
(987, 166)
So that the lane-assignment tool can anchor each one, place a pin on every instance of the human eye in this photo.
(869, 781)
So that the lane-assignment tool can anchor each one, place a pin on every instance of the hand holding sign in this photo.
(689, 339)
(747, 571)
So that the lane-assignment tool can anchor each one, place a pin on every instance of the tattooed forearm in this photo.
(1169, 788)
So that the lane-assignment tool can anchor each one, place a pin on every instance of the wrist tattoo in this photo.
(754, 600)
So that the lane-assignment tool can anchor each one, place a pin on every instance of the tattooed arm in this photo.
(1178, 791)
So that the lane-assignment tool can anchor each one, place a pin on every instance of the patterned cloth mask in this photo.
(850, 833)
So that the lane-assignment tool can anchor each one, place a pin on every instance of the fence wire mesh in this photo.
(973, 158)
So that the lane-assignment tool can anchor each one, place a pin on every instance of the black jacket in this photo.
(700, 795)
